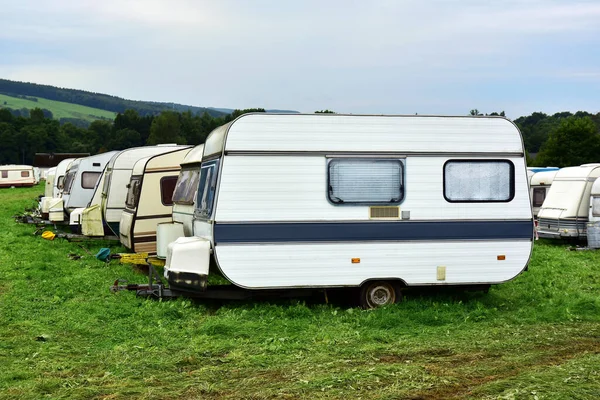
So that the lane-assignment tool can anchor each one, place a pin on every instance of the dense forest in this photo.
(561, 139)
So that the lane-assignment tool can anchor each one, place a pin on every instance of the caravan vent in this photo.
(384, 212)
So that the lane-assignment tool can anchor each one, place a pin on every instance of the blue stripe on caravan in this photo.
(371, 231)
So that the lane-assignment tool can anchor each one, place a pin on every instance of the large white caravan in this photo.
(149, 199)
(116, 178)
(564, 213)
(81, 180)
(377, 202)
(539, 186)
(16, 175)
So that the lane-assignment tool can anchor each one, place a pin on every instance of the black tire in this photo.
(375, 294)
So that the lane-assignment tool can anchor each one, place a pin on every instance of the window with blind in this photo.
(365, 181)
(479, 181)
(596, 206)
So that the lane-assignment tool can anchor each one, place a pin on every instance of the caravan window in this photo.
(186, 187)
(539, 194)
(24, 174)
(60, 182)
(596, 206)
(5, 174)
(167, 186)
(207, 188)
(365, 180)
(89, 179)
(133, 191)
(479, 181)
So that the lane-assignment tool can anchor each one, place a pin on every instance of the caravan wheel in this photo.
(379, 293)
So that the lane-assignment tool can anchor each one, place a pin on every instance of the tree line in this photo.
(21, 137)
(561, 139)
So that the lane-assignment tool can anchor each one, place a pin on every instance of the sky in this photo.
(443, 57)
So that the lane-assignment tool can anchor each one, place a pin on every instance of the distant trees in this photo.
(325, 112)
(575, 141)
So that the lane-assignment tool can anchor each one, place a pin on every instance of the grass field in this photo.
(59, 109)
(64, 335)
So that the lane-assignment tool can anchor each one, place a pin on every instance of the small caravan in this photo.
(16, 175)
(116, 178)
(81, 180)
(564, 213)
(375, 202)
(183, 203)
(539, 187)
(149, 199)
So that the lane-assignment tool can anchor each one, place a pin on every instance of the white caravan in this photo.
(16, 175)
(49, 184)
(59, 176)
(376, 202)
(81, 180)
(149, 199)
(564, 213)
(539, 187)
(183, 203)
(117, 175)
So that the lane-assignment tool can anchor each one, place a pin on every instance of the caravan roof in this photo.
(582, 172)
(543, 178)
(406, 134)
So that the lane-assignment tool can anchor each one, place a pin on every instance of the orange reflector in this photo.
(501, 257)
(355, 260)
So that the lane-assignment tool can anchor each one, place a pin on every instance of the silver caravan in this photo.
(376, 202)
(564, 213)
(81, 180)
(149, 199)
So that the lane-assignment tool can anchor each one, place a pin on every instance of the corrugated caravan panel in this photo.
(354, 133)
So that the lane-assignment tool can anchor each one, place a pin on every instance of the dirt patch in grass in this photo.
(464, 367)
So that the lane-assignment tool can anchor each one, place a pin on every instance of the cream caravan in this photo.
(116, 178)
(183, 203)
(149, 199)
(373, 202)
(16, 175)
(564, 213)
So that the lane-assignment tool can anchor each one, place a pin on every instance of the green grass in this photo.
(59, 109)
(64, 335)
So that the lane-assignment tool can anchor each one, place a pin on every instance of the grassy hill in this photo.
(59, 109)
(96, 100)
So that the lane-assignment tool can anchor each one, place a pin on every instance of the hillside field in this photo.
(63, 334)
(59, 109)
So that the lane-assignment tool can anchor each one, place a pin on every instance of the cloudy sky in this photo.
(380, 56)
